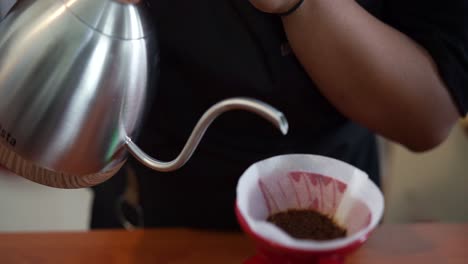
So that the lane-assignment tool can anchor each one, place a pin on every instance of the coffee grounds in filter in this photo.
(307, 224)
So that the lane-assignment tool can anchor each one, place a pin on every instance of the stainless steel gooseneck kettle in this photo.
(75, 77)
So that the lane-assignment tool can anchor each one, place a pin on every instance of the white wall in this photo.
(432, 186)
(27, 206)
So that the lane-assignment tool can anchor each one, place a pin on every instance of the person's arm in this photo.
(371, 72)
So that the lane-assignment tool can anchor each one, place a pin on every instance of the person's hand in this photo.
(274, 6)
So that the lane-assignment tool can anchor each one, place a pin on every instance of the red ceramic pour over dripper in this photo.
(314, 182)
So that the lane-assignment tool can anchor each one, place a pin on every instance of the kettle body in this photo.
(75, 80)
(72, 88)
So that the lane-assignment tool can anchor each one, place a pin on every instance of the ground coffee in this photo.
(307, 224)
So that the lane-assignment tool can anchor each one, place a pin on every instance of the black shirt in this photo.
(212, 50)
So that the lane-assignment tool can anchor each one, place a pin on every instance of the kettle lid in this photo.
(122, 19)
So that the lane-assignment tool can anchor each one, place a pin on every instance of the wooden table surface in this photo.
(417, 243)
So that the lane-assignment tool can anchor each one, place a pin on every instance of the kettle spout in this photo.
(247, 104)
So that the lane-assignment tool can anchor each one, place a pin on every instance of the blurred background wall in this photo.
(27, 206)
(431, 186)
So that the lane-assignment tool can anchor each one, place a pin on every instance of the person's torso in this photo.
(212, 50)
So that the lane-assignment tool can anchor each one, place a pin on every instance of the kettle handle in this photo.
(251, 105)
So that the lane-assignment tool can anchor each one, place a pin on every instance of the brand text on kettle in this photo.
(7, 136)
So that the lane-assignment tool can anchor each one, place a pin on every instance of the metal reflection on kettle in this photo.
(74, 83)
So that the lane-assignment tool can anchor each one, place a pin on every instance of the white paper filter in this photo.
(299, 181)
